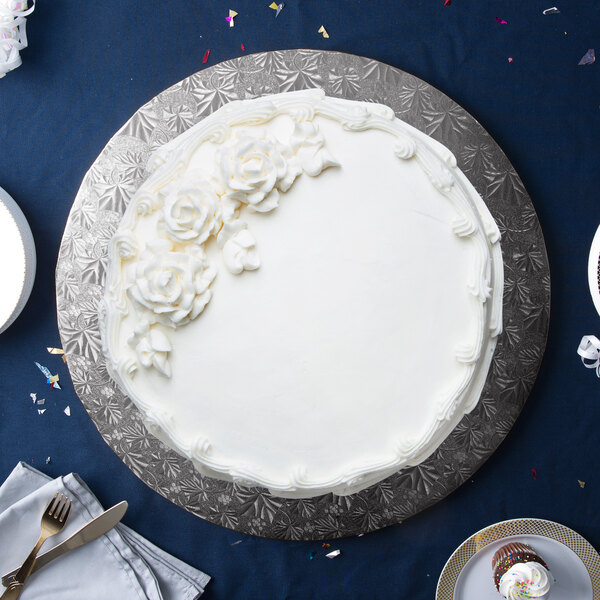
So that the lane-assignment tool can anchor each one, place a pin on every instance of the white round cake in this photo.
(305, 294)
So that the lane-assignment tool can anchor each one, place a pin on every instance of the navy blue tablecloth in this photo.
(91, 65)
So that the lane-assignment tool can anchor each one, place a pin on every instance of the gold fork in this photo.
(53, 520)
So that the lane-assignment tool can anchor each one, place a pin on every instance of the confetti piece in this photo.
(311, 555)
(42, 401)
(551, 11)
(447, 2)
(277, 7)
(51, 380)
(326, 546)
(581, 483)
(323, 31)
(501, 21)
(243, 49)
(334, 554)
(206, 56)
(236, 543)
(232, 14)
(511, 60)
(534, 474)
(58, 351)
(67, 411)
(48, 460)
(33, 397)
(41, 411)
(588, 58)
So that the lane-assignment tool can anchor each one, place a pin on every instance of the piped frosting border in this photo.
(219, 206)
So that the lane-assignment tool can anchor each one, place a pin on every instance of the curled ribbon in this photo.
(12, 32)
(589, 350)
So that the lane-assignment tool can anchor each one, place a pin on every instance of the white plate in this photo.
(18, 260)
(594, 270)
(572, 561)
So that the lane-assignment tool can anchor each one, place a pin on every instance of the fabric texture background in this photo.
(90, 65)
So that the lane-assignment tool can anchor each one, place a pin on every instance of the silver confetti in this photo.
(333, 554)
(588, 58)
(67, 411)
(279, 9)
(551, 11)
(42, 401)
(41, 411)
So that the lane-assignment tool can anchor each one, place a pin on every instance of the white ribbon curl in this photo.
(589, 350)
(12, 32)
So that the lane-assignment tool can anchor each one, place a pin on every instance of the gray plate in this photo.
(118, 172)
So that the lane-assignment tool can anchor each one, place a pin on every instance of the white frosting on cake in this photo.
(305, 294)
(526, 580)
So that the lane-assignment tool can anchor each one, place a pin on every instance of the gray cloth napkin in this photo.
(120, 564)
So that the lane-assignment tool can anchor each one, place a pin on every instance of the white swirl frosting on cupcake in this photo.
(526, 581)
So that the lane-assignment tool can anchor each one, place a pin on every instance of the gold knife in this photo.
(89, 532)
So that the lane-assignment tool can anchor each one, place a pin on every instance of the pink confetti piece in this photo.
(511, 60)
(588, 58)
(229, 19)
(447, 2)
(243, 49)
(501, 21)
(534, 471)
(206, 56)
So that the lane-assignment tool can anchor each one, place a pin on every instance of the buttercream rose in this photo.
(153, 347)
(258, 167)
(239, 247)
(172, 285)
(192, 212)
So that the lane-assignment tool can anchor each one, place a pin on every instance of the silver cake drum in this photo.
(119, 171)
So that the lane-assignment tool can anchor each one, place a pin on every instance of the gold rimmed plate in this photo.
(572, 561)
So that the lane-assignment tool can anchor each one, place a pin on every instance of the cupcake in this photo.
(520, 572)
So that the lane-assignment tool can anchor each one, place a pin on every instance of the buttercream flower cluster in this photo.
(172, 275)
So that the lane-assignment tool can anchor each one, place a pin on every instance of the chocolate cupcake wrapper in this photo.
(511, 554)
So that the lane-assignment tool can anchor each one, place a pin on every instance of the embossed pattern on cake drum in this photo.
(119, 171)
